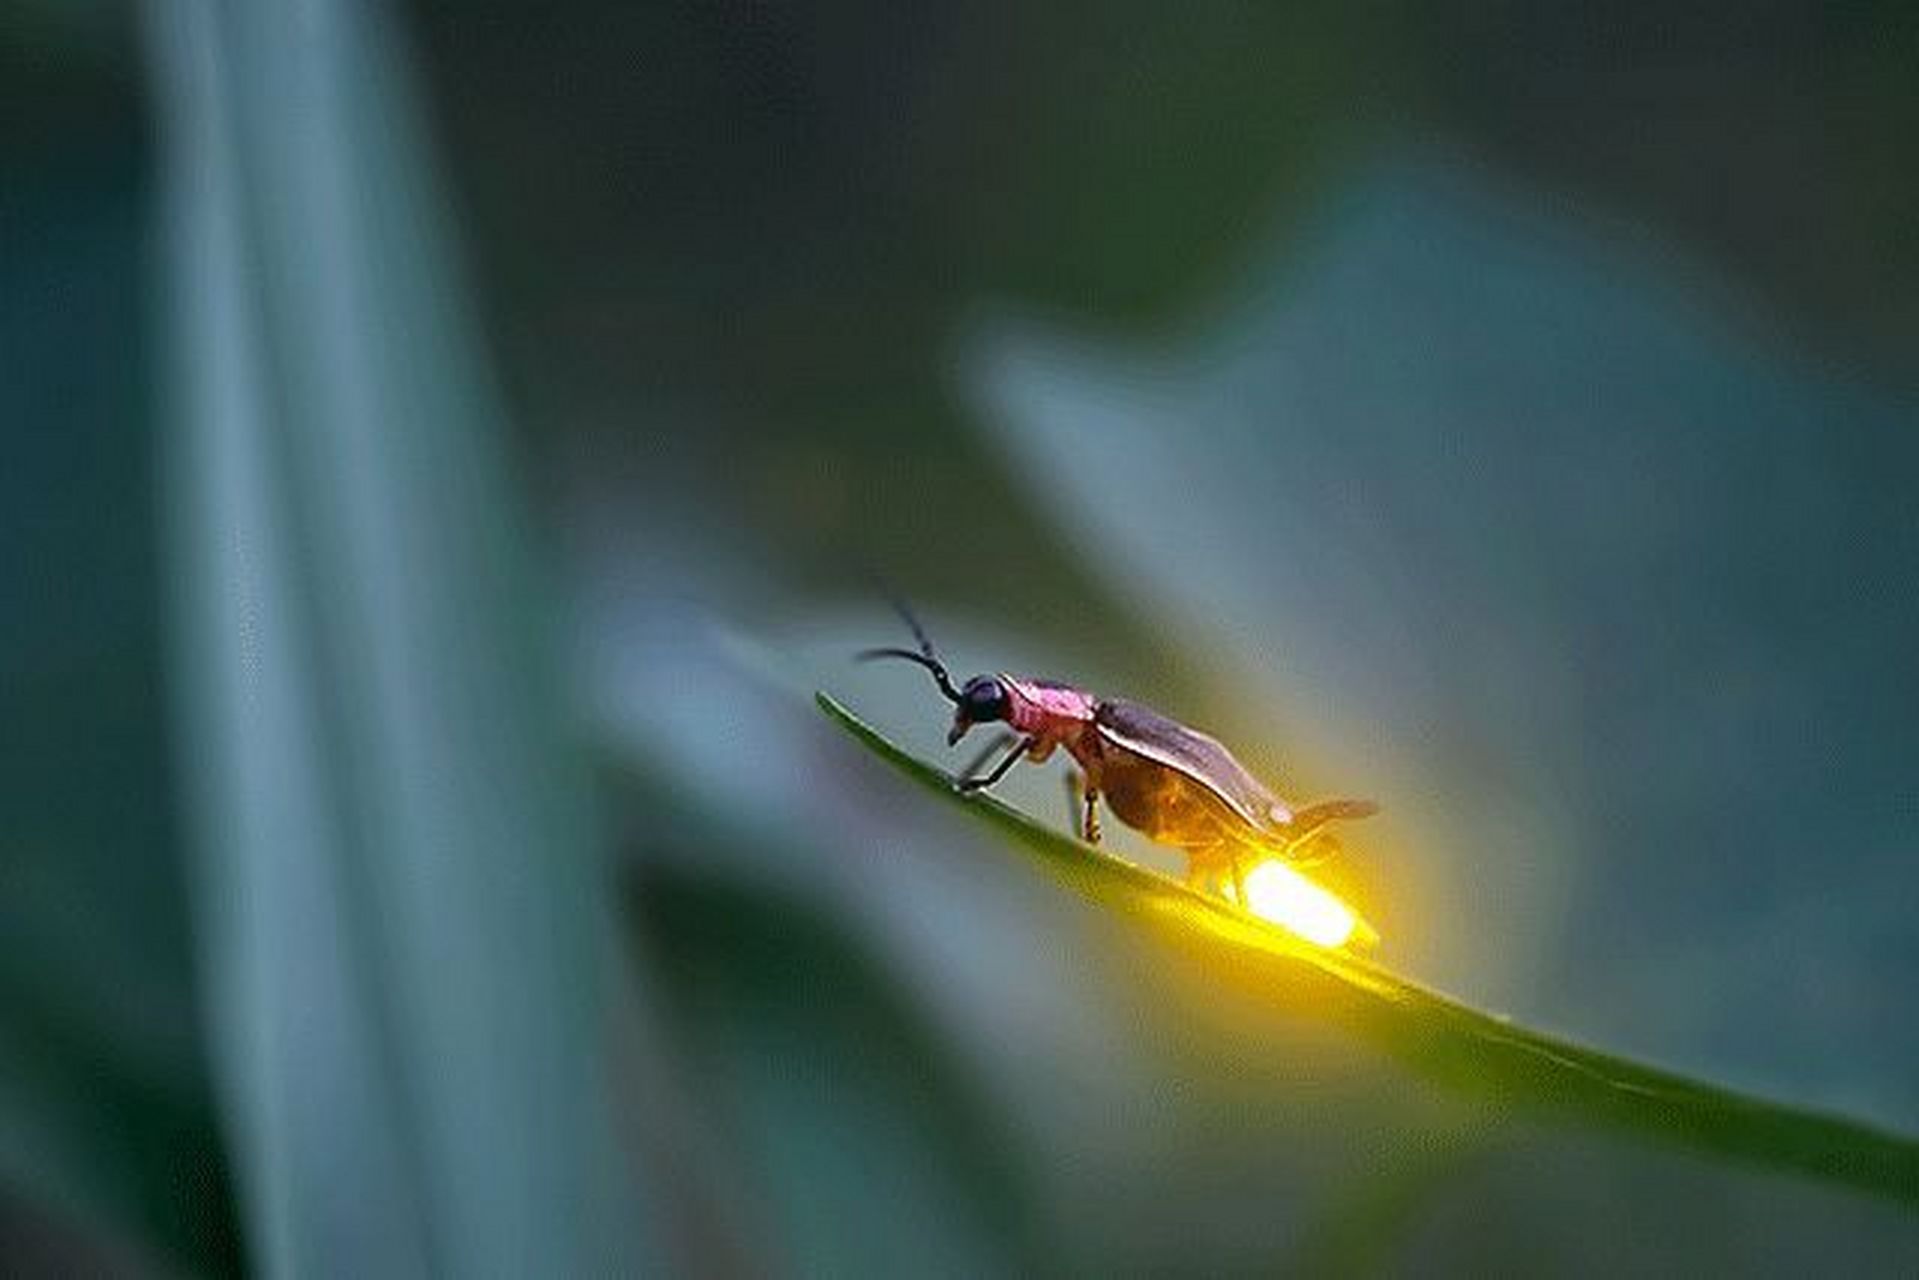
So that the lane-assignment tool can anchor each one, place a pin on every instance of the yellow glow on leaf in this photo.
(1276, 892)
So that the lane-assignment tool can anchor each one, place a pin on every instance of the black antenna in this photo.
(927, 656)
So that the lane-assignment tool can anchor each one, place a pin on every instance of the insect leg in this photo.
(1315, 843)
(1313, 849)
(1090, 827)
(1000, 742)
(1020, 748)
(1316, 846)
(1203, 869)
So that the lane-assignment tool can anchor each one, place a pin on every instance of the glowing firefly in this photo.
(1176, 785)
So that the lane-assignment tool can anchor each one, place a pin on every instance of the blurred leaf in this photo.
(841, 1099)
(1463, 1048)
(1369, 1220)
(403, 933)
(107, 1123)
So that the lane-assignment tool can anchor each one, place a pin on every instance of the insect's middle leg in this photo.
(1082, 806)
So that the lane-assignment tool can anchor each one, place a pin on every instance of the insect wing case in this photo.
(1199, 759)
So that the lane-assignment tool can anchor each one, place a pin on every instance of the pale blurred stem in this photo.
(398, 886)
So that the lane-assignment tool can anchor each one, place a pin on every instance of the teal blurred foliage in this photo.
(400, 911)
(105, 1108)
(1502, 411)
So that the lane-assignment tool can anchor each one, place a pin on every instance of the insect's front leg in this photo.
(1020, 748)
(1000, 742)
(1090, 825)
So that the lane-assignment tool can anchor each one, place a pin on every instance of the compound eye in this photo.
(985, 699)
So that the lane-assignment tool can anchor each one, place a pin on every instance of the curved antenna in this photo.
(934, 665)
(927, 656)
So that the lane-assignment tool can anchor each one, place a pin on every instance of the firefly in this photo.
(1175, 785)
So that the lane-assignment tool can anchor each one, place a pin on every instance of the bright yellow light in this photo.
(1276, 892)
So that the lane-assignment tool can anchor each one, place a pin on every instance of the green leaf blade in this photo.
(1463, 1049)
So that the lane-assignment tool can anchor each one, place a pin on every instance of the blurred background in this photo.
(447, 444)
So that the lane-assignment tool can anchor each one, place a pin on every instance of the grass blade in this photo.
(1462, 1048)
